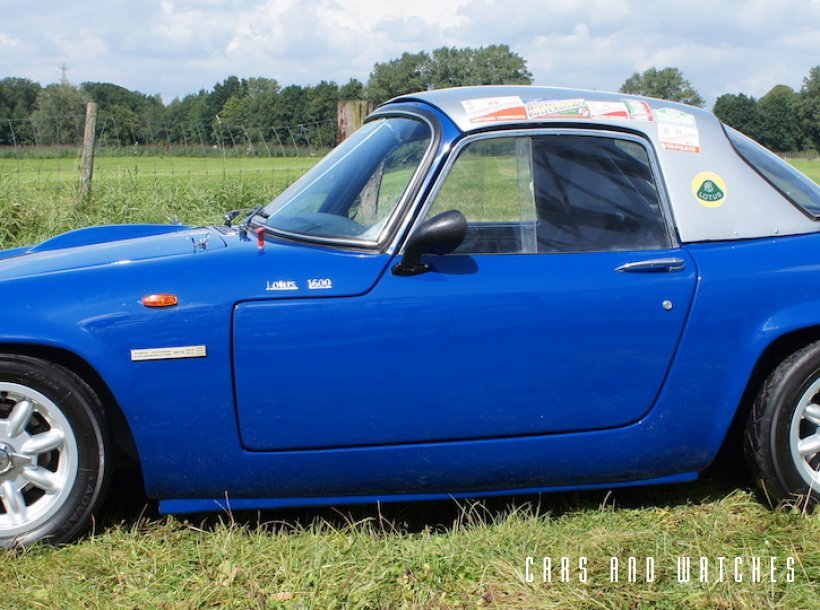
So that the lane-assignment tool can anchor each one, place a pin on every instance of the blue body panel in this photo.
(184, 421)
(489, 374)
(486, 346)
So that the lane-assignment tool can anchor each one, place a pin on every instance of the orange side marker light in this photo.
(160, 300)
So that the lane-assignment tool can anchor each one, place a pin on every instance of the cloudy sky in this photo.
(175, 47)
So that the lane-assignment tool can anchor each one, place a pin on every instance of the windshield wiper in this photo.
(257, 211)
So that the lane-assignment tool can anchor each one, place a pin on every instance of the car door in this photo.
(560, 312)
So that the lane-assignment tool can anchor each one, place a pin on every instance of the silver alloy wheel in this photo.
(42, 463)
(804, 436)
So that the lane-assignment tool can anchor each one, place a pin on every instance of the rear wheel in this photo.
(53, 452)
(783, 432)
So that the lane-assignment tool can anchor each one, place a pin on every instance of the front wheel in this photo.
(53, 452)
(783, 432)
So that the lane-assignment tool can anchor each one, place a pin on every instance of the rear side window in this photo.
(795, 186)
(596, 194)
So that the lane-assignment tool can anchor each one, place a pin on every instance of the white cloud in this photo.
(8, 41)
(180, 46)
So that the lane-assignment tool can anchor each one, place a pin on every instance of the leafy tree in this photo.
(739, 111)
(259, 87)
(780, 129)
(124, 115)
(222, 92)
(122, 125)
(322, 108)
(446, 67)
(450, 67)
(239, 111)
(808, 106)
(17, 101)
(108, 95)
(666, 84)
(405, 74)
(185, 121)
(498, 65)
(60, 115)
(352, 90)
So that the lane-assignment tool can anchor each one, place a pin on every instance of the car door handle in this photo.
(655, 265)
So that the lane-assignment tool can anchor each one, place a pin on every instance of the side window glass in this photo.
(491, 184)
(554, 194)
(595, 194)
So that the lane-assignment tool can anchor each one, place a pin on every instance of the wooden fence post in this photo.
(351, 115)
(89, 141)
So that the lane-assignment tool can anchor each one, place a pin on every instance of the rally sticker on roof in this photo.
(514, 108)
(677, 130)
(638, 110)
(556, 109)
(492, 109)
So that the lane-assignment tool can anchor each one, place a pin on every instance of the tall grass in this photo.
(40, 198)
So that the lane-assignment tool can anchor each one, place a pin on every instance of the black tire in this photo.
(75, 471)
(778, 421)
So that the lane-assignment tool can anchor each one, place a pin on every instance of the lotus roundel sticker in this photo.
(709, 189)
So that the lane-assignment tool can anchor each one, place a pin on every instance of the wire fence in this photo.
(801, 154)
(42, 157)
(57, 136)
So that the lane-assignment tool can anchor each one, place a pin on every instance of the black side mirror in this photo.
(440, 235)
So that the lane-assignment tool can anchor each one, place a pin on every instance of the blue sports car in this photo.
(484, 291)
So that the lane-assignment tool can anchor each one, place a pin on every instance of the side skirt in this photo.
(228, 504)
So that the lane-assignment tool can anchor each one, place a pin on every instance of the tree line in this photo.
(250, 108)
(244, 109)
(783, 120)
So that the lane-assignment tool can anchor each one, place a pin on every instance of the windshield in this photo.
(352, 193)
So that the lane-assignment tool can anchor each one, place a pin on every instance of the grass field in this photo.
(441, 555)
(39, 197)
(809, 167)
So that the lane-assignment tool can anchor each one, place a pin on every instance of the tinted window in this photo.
(594, 194)
(561, 193)
(798, 188)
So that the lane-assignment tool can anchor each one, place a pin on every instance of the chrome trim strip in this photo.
(169, 353)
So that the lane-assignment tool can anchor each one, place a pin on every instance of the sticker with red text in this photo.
(494, 109)
(677, 130)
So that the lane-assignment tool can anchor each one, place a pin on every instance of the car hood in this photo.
(96, 246)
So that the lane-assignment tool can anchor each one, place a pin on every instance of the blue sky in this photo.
(176, 47)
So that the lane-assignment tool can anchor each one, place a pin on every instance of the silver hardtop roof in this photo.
(690, 142)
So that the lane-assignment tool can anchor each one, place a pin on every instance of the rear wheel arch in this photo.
(766, 408)
(770, 358)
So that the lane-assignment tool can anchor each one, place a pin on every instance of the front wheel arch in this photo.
(120, 430)
(55, 452)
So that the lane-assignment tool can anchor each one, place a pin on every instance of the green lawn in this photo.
(809, 167)
(440, 555)
(106, 169)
